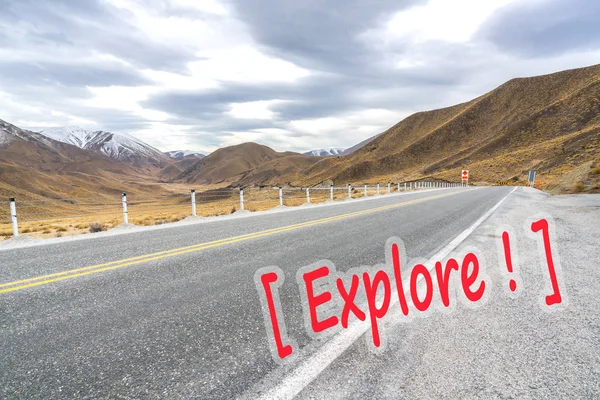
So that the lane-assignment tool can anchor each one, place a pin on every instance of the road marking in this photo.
(300, 377)
(94, 269)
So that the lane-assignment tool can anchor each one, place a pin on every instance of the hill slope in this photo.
(225, 164)
(550, 123)
(279, 172)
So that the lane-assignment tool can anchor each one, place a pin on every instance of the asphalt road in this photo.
(188, 324)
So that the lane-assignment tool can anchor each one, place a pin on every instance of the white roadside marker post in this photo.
(349, 192)
(280, 196)
(124, 203)
(307, 195)
(378, 189)
(241, 199)
(193, 202)
(389, 188)
(365, 190)
(331, 192)
(13, 217)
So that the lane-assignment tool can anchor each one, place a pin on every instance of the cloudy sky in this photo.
(291, 74)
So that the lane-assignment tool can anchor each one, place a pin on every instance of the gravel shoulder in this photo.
(509, 347)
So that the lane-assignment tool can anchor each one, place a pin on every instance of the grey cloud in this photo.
(317, 96)
(545, 28)
(314, 34)
(80, 74)
(85, 27)
(348, 72)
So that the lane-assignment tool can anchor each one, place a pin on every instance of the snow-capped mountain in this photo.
(9, 133)
(324, 152)
(181, 154)
(118, 146)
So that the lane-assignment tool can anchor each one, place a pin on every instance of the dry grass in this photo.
(156, 213)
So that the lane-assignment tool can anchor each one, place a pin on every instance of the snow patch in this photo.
(324, 152)
(181, 154)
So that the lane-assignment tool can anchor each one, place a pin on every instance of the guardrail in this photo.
(194, 203)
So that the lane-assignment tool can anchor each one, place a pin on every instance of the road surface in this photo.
(174, 312)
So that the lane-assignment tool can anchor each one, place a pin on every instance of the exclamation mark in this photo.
(512, 284)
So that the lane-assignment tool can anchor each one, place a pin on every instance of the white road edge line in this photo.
(309, 369)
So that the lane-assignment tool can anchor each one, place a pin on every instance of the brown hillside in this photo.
(32, 165)
(279, 172)
(550, 123)
(228, 162)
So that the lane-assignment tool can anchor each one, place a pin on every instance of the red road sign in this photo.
(465, 174)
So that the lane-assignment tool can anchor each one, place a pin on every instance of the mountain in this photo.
(182, 154)
(324, 152)
(225, 164)
(32, 164)
(550, 123)
(352, 149)
(121, 147)
(281, 171)
(183, 160)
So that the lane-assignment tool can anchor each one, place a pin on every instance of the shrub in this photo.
(578, 187)
(233, 210)
(61, 229)
(96, 227)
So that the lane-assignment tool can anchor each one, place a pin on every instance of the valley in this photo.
(548, 123)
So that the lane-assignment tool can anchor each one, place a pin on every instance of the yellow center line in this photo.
(94, 269)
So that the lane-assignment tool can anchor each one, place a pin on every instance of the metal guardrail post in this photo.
(124, 203)
(13, 217)
(193, 193)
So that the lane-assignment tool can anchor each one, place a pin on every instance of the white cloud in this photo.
(246, 64)
(251, 110)
(451, 21)
(125, 98)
